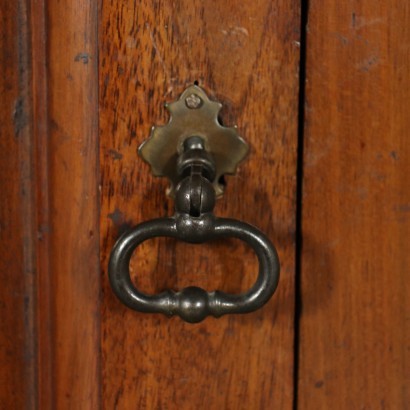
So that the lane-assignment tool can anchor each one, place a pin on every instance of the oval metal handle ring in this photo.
(193, 304)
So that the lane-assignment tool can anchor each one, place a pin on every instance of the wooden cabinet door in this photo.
(318, 92)
(355, 264)
(246, 57)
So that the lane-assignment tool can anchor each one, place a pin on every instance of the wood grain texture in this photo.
(245, 55)
(44, 383)
(49, 298)
(17, 213)
(355, 330)
(73, 185)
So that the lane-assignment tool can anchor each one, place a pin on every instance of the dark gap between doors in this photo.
(299, 192)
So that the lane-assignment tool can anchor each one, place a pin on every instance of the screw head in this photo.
(193, 101)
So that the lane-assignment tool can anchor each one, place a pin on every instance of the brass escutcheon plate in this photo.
(193, 114)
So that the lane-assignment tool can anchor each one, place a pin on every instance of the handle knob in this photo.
(194, 176)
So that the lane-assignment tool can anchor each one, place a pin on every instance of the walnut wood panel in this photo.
(246, 55)
(73, 185)
(17, 264)
(355, 333)
(49, 298)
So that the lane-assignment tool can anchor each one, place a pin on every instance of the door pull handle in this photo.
(194, 151)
